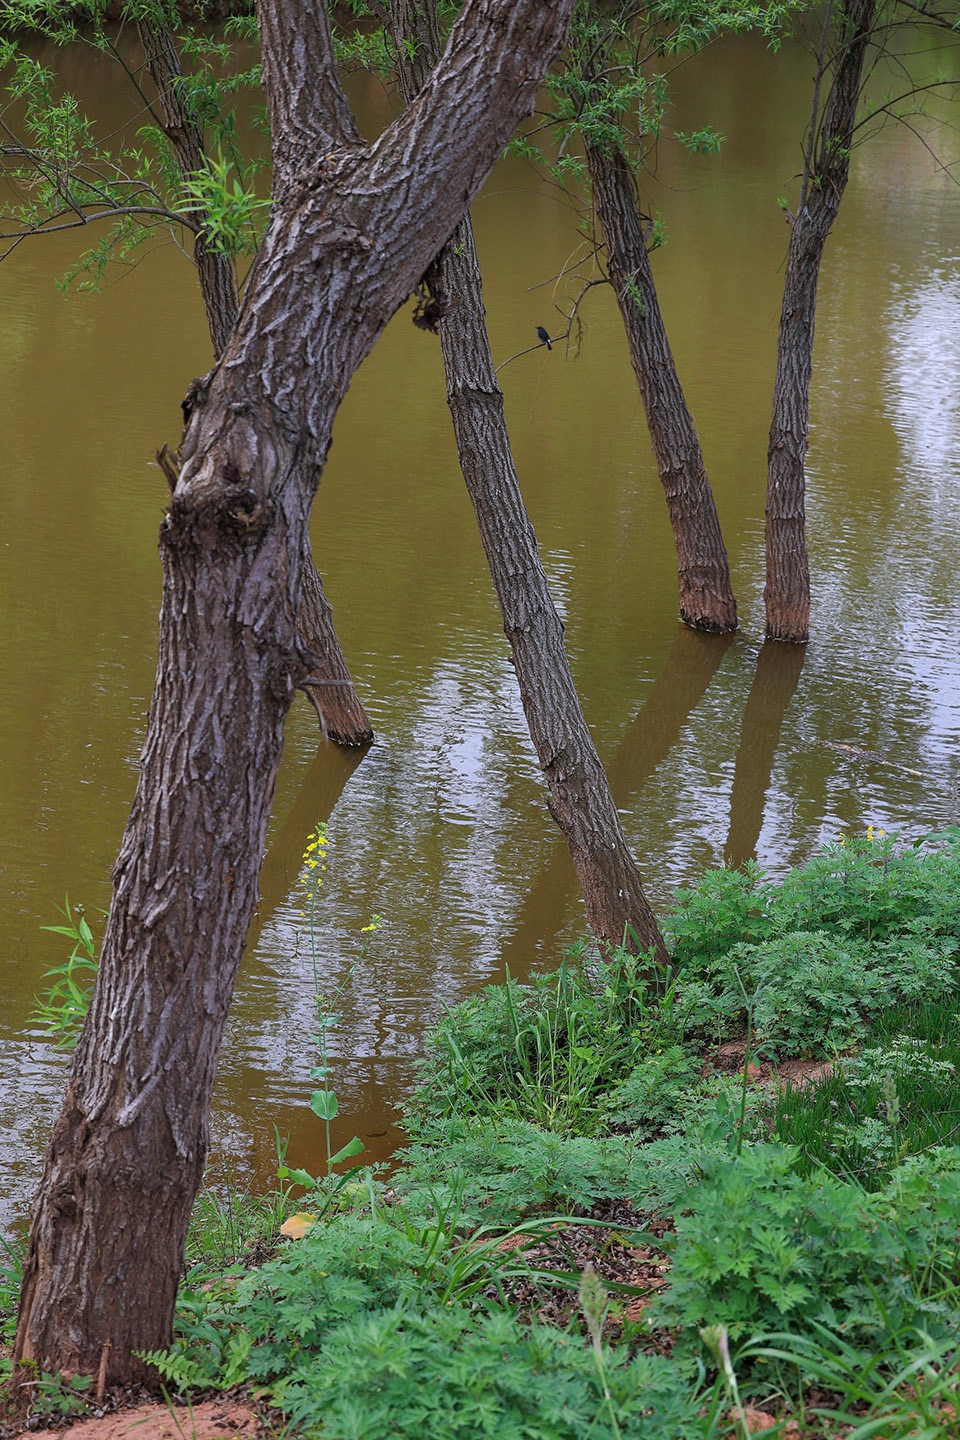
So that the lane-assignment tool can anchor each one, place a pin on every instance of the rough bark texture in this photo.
(218, 287)
(579, 795)
(703, 572)
(352, 232)
(334, 698)
(329, 686)
(787, 590)
(580, 799)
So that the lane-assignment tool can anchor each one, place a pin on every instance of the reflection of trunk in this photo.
(341, 715)
(128, 1148)
(706, 597)
(580, 799)
(315, 802)
(826, 171)
(691, 665)
(774, 684)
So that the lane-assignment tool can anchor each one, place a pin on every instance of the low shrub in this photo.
(760, 1246)
(898, 1097)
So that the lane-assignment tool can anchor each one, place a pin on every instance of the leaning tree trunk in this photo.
(342, 717)
(703, 572)
(580, 798)
(826, 171)
(579, 795)
(352, 230)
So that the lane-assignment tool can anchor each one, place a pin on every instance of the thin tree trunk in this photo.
(579, 795)
(341, 715)
(329, 686)
(703, 572)
(580, 798)
(826, 171)
(352, 230)
(691, 665)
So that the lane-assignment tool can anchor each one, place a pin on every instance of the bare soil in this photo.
(220, 1419)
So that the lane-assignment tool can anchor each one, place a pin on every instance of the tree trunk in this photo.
(579, 795)
(703, 572)
(691, 665)
(352, 230)
(826, 171)
(580, 798)
(329, 687)
(342, 717)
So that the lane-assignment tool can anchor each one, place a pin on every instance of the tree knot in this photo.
(433, 302)
(245, 509)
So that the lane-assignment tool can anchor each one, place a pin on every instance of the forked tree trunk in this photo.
(579, 795)
(703, 572)
(826, 171)
(352, 230)
(342, 717)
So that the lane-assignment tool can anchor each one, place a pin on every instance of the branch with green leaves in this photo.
(188, 175)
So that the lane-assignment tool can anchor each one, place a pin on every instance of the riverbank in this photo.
(602, 1229)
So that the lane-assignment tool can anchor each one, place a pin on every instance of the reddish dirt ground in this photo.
(208, 1420)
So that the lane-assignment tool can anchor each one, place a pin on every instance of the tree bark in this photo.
(691, 665)
(579, 795)
(580, 799)
(826, 171)
(352, 230)
(341, 715)
(703, 572)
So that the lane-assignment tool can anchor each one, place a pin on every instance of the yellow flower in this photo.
(870, 832)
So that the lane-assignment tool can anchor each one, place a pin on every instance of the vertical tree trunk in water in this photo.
(579, 795)
(329, 685)
(342, 717)
(787, 590)
(703, 572)
(352, 230)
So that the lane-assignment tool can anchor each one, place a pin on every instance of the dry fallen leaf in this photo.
(297, 1226)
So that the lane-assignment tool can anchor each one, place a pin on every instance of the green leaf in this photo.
(324, 1104)
(298, 1177)
(353, 1147)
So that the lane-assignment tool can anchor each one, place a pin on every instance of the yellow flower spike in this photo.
(870, 833)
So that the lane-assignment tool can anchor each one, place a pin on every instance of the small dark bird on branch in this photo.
(543, 337)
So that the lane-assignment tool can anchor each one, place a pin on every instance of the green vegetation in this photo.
(62, 1008)
(573, 1149)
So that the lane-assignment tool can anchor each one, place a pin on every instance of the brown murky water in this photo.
(716, 748)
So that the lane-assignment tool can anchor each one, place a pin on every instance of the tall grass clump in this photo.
(546, 1052)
